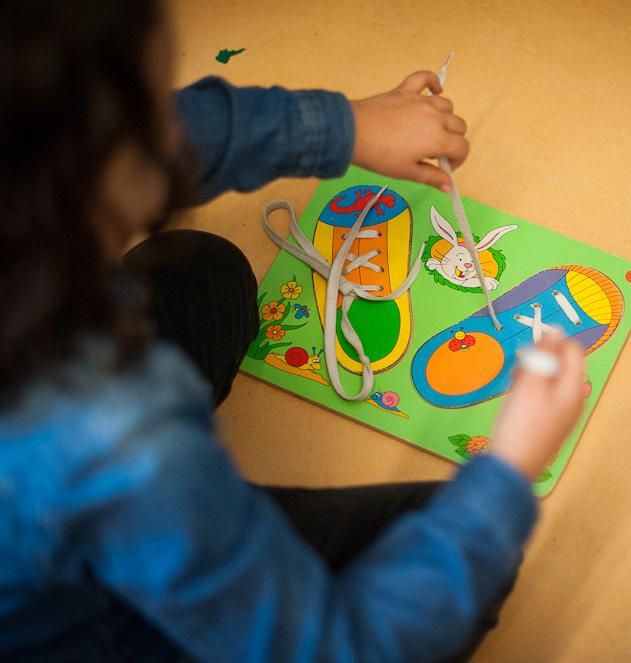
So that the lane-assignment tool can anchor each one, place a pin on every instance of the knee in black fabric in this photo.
(203, 294)
(179, 250)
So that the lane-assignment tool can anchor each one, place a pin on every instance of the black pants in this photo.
(204, 300)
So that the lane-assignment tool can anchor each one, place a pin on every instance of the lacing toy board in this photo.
(439, 365)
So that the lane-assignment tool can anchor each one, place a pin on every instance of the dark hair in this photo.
(72, 87)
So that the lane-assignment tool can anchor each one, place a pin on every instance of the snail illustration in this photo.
(388, 401)
(299, 358)
(298, 361)
(461, 341)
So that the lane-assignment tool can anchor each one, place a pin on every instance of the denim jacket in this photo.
(126, 534)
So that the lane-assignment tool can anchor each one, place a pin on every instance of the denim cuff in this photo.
(327, 133)
(496, 495)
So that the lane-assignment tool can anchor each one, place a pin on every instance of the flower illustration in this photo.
(477, 445)
(273, 311)
(467, 446)
(275, 332)
(291, 290)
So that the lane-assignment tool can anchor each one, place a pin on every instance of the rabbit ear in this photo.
(491, 237)
(442, 226)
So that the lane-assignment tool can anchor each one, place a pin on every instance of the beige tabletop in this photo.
(546, 90)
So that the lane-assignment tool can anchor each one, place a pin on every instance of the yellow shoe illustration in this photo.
(384, 328)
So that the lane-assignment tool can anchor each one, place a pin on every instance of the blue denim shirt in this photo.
(127, 534)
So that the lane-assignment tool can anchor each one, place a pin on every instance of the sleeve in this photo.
(174, 531)
(246, 137)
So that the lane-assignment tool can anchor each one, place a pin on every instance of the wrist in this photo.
(358, 147)
(519, 460)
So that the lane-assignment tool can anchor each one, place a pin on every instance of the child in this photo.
(125, 532)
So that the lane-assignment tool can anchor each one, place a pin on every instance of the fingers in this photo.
(455, 124)
(571, 377)
(552, 342)
(529, 380)
(440, 103)
(452, 143)
(454, 146)
(432, 175)
(420, 80)
(566, 385)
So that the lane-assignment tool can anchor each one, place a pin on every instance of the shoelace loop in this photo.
(334, 274)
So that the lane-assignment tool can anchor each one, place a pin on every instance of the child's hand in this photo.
(396, 131)
(541, 412)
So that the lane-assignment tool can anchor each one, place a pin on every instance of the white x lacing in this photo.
(536, 322)
(336, 282)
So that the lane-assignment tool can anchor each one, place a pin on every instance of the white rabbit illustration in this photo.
(453, 260)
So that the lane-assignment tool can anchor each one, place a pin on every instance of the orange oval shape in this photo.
(457, 373)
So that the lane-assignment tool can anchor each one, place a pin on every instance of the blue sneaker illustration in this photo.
(472, 362)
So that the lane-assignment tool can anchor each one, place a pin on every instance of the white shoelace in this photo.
(461, 217)
(536, 322)
(335, 276)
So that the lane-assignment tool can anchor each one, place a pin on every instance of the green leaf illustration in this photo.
(544, 476)
(500, 259)
(460, 440)
(290, 327)
(254, 347)
(263, 351)
(288, 307)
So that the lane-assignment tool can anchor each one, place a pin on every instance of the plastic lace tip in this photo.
(449, 58)
(539, 362)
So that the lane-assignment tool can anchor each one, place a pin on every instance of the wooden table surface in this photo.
(545, 88)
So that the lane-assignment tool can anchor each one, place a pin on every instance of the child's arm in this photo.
(246, 137)
(160, 517)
